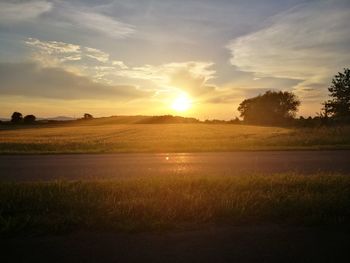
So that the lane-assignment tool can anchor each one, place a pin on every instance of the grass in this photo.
(156, 203)
(112, 138)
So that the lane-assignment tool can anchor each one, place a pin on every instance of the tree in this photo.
(339, 104)
(273, 107)
(29, 119)
(87, 116)
(16, 117)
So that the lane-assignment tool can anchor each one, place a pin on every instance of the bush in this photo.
(29, 119)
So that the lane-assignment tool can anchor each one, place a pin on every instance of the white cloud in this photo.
(162, 73)
(309, 43)
(192, 77)
(21, 11)
(66, 15)
(96, 54)
(100, 23)
(53, 47)
(53, 53)
(64, 52)
(120, 64)
(189, 76)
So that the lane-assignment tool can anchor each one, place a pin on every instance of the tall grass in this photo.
(111, 138)
(153, 203)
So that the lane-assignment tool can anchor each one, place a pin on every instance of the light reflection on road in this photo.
(88, 166)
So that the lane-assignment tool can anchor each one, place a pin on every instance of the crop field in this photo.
(113, 138)
(156, 203)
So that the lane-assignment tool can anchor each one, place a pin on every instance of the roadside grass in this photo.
(156, 203)
(114, 138)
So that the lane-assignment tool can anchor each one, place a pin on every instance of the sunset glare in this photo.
(182, 103)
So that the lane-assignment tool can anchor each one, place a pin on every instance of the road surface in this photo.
(92, 166)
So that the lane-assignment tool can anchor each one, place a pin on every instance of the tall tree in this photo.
(273, 107)
(16, 117)
(339, 104)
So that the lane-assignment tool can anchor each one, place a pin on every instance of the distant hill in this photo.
(59, 118)
(168, 119)
(139, 119)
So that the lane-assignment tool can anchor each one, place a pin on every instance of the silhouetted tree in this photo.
(235, 120)
(339, 104)
(273, 107)
(29, 119)
(16, 117)
(87, 116)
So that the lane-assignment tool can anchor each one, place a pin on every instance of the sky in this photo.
(197, 58)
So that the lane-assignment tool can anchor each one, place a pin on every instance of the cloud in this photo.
(96, 54)
(120, 64)
(194, 83)
(245, 86)
(87, 61)
(190, 76)
(309, 43)
(33, 80)
(234, 95)
(54, 52)
(57, 51)
(53, 47)
(98, 22)
(11, 12)
(64, 14)
(72, 57)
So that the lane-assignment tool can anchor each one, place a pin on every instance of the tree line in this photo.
(17, 118)
(280, 107)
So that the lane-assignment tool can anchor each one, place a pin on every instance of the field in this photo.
(99, 137)
(156, 203)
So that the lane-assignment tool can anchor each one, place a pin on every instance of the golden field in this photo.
(97, 137)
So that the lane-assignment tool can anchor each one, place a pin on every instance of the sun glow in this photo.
(182, 103)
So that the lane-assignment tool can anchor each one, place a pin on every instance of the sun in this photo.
(182, 103)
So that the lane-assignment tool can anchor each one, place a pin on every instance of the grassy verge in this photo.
(114, 138)
(155, 203)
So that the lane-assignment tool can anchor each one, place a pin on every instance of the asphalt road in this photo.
(91, 166)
